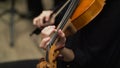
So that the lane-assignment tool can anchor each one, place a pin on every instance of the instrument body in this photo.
(83, 14)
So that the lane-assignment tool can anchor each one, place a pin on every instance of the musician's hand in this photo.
(45, 34)
(43, 19)
(67, 54)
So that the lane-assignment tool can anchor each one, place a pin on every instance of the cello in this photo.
(79, 14)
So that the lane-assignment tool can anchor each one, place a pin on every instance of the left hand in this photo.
(47, 32)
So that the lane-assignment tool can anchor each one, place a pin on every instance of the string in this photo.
(38, 30)
(64, 20)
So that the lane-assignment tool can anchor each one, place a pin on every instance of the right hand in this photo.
(44, 19)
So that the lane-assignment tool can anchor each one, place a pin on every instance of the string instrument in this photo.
(80, 14)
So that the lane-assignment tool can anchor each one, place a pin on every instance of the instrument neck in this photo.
(73, 4)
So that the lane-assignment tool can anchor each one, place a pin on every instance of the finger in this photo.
(47, 31)
(62, 35)
(59, 47)
(44, 20)
(35, 21)
(44, 42)
(61, 41)
(52, 20)
(41, 18)
(47, 15)
(47, 18)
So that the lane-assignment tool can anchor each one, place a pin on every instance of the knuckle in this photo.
(41, 46)
(40, 18)
(34, 21)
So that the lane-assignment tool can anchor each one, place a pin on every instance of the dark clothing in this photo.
(34, 7)
(98, 43)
